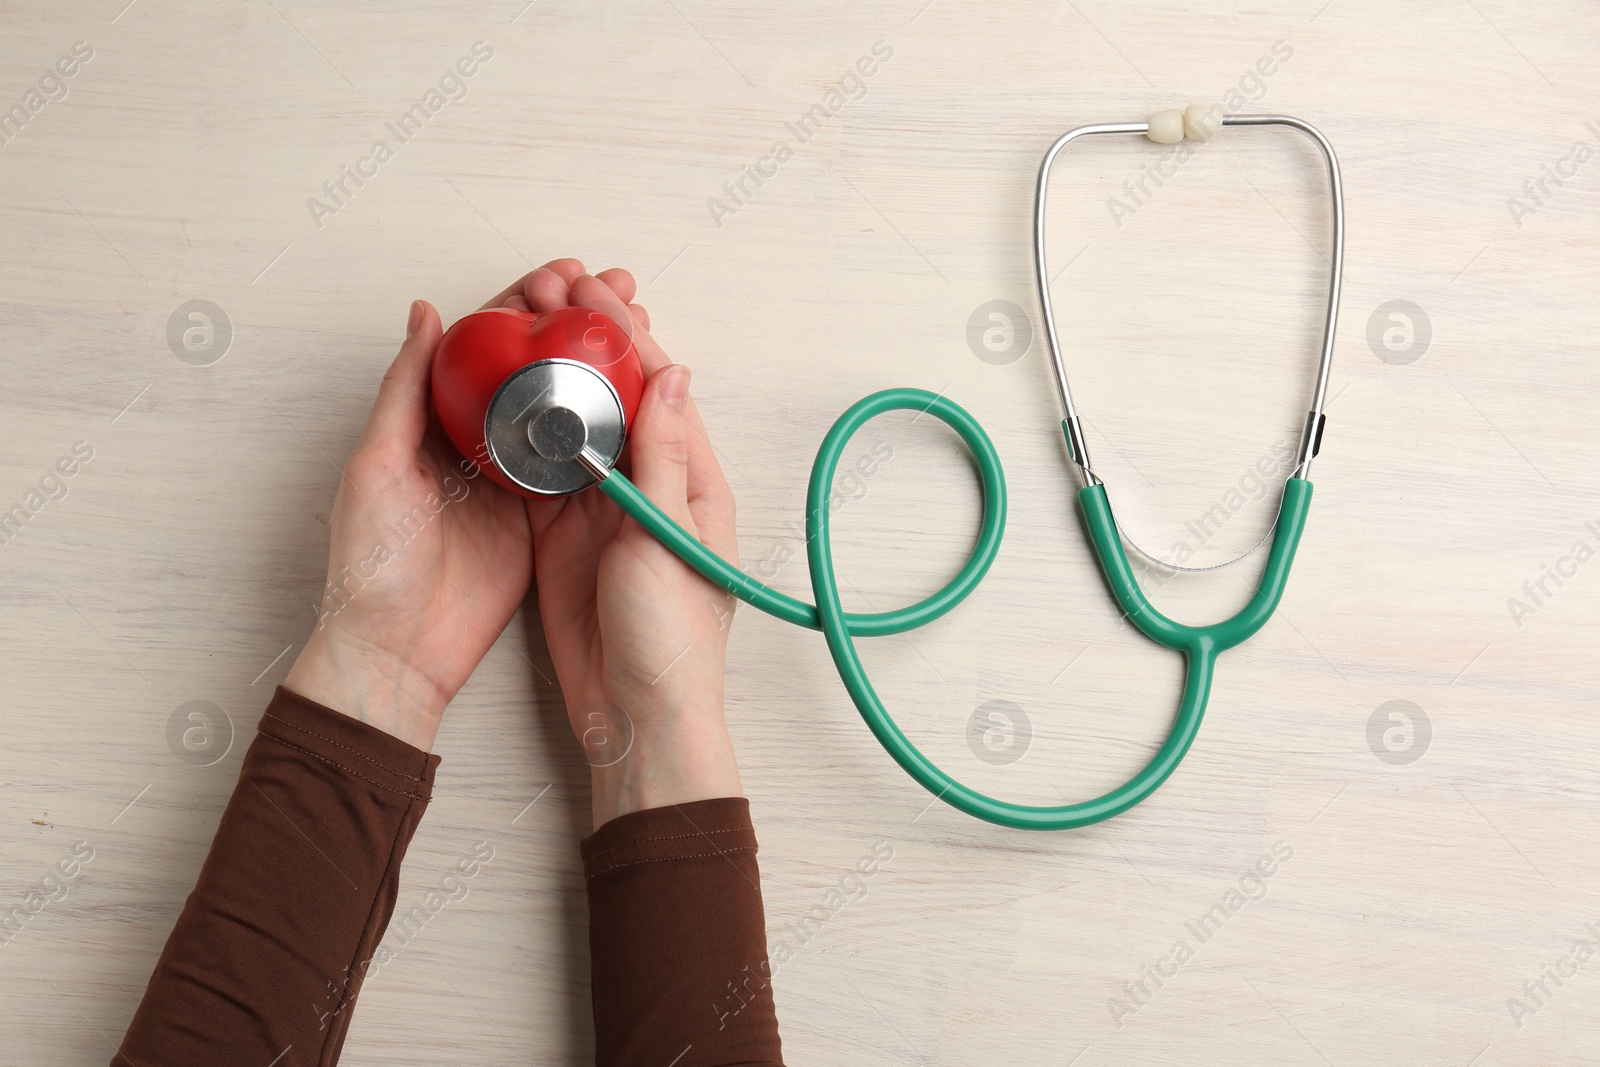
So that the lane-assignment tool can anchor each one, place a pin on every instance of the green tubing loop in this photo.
(1200, 645)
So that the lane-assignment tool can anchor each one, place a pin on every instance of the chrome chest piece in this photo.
(543, 417)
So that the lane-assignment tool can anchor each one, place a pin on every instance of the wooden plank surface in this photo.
(1423, 868)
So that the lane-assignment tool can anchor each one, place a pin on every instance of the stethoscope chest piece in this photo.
(546, 414)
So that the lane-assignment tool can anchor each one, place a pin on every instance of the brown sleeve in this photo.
(265, 961)
(677, 939)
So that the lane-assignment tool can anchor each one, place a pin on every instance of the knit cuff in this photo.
(697, 830)
(350, 745)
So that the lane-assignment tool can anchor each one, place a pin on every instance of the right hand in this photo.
(638, 637)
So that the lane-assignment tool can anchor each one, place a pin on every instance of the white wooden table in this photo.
(1436, 861)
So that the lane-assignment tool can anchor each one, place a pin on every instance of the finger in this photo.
(549, 289)
(566, 269)
(596, 295)
(711, 500)
(590, 292)
(400, 414)
(517, 302)
(663, 428)
(620, 282)
(660, 444)
(705, 472)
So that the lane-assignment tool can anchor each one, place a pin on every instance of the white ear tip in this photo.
(1201, 123)
(1166, 127)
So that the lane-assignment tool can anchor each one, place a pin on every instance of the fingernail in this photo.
(414, 321)
(675, 385)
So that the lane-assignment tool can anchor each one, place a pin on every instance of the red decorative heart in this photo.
(483, 349)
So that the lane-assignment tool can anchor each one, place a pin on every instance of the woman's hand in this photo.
(639, 638)
(427, 562)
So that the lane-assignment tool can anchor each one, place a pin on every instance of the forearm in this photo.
(267, 956)
(677, 938)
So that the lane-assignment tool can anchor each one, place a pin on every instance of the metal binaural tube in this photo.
(1070, 425)
(1311, 435)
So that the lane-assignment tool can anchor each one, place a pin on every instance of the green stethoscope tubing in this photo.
(1200, 645)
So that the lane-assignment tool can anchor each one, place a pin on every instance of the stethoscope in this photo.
(557, 424)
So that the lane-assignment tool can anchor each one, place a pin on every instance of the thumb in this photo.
(661, 443)
(400, 414)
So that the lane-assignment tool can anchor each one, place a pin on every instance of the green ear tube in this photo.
(1199, 644)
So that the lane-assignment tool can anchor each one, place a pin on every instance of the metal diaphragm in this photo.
(543, 415)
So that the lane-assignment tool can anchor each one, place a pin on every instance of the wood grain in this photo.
(183, 559)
